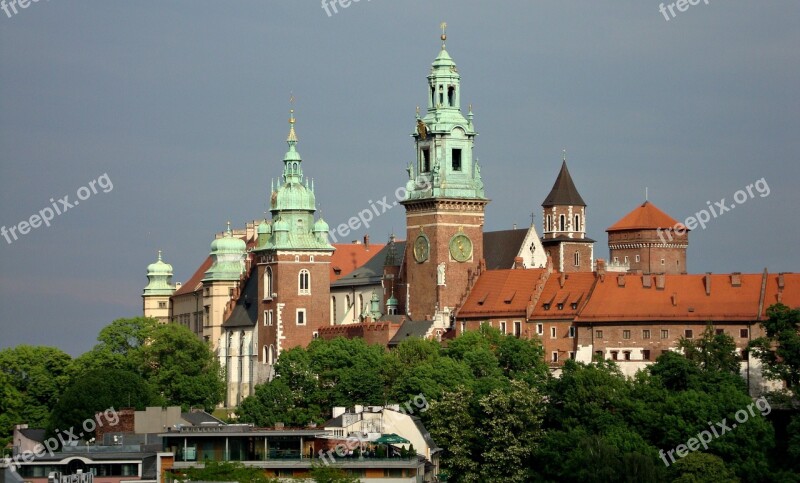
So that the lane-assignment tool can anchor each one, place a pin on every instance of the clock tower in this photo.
(444, 201)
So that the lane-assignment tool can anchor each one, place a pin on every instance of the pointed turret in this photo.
(564, 192)
(159, 289)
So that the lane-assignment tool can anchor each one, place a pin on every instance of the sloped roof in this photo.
(350, 256)
(370, 272)
(196, 280)
(501, 247)
(645, 217)
(197, 418)
(789, 295)
(564, 191)
(501, 292)
(411, 329)
(575, 292)
(635, 301)
(245, 313)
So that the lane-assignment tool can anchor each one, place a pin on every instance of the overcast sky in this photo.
(184, 106)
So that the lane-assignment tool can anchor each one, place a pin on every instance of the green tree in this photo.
(38, 376)
(181, 367)
(225, 471)
(120, 345)
(510, 431)
(328, 474)
(779, 350)
(274, 402)
(712, 351)
(10, 408)
(97, 391)
(450, 420)
(701, 467)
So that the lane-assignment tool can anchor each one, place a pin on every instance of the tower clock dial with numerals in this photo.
(422, 248)
(461, 248)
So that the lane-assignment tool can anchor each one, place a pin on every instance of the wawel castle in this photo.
(280, 283)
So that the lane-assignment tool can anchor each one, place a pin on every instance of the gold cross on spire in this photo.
(444, 33)
(291, 110)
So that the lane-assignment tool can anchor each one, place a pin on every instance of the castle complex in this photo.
(280, 283)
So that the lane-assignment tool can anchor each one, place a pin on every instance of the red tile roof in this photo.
(501, 293)
(350, 256)
(195, 282)
(645, 217)
(789, 295)
(575, 292)
(683, 297)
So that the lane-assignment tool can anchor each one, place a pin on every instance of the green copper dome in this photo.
(159, 278)
(227, 254)
(293, 205)
(264, 228)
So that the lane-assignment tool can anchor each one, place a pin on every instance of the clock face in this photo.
(461, 248)
(422, 248)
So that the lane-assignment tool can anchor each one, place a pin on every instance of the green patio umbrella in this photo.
(391, 439)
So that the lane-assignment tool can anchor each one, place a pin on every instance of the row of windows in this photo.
(687, 333)
(562, 223)
(300, 317)
(425, 160)
(638, 259)
(554, 356)
(303, 283)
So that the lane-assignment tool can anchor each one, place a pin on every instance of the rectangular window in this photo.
(425, 162)
(688, 333)
(552, 332)
(646, 334)
(646, 354)
(301, 316)
(662, 261)
(269, 317)
(598, 355)
(638, 259)
(456, 160)
(554, 356)
(503, 327)
(572, 355)
(598, 334)
(614, 355)
(743, 333)
(162, 305)
(665, 333)
(720, 331)
(540, 329)
(463, 327)
(517, 328)
(572, 331)
(626, 334)
(627, 355)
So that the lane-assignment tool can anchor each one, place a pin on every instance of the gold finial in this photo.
(291, 111)
(444, 33)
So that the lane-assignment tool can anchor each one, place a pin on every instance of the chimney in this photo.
(518, 263)
(515, 226)
(601, 269)
(562, 279)
(661, 281)
(621, 280)
(674, 299)
(647, 281)
(781, 281)
(707, 280)
(366, 241)
(736, 279)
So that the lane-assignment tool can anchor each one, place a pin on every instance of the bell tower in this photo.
(444, 200)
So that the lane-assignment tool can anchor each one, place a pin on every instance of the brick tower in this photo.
(444, 201)
(649, 240)
(564, 231)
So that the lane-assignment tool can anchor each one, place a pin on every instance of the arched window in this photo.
(577, 223)
(549, 223)
(562, 223)
(271, 355)
(268, 283)
(577, 259)
(265, 355)
(304, 282)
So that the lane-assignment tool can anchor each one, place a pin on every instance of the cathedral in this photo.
(280, 283)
